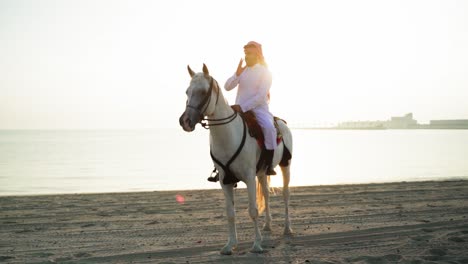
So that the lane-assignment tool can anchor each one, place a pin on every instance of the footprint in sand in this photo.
(436, 254)
(456, 239)
(392, 258)
(428, 230)
(82, 255)
(425, 238)
(43, 254)
(23, 231)
(3, 258)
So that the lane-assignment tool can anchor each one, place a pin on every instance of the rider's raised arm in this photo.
(232, 82)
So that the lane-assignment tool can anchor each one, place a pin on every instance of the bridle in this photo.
(203, 106)
(208, 122)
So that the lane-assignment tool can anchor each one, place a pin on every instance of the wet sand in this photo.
(410, 222)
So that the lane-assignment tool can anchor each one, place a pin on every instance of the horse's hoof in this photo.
(227, 250)
(257, 249)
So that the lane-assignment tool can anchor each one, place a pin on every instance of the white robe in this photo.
(254, 94)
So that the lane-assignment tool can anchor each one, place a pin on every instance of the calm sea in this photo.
(46, 162)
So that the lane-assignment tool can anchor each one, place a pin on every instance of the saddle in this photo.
(255, 131)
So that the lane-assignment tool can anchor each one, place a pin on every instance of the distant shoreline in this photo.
(379, 128)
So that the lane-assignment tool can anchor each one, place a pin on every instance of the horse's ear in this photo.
(192, 73)
(205, 69)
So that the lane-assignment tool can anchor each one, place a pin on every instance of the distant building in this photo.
(396, 122)
(449, 124)
(402, 122)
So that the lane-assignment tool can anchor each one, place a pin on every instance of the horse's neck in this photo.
(224, 135)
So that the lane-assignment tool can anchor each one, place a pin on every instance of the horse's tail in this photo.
(261, 196)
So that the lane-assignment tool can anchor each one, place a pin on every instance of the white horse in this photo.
(227, 133)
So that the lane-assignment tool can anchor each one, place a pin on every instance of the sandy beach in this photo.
(409, 222)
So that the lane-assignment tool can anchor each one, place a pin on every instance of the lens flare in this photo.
(180, 199)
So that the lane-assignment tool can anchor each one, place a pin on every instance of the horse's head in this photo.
(199, 103)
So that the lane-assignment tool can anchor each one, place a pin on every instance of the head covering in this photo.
(257, 47)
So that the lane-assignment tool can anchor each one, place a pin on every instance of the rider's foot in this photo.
(213, 179)
(269, 161)
(270, 171)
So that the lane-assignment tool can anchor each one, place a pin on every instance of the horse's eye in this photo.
(199, 92)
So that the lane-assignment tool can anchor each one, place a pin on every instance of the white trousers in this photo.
(265, 120)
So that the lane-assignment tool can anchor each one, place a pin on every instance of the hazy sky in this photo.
(122, 64)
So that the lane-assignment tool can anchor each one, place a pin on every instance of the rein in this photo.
(229, 120)
(229, 178)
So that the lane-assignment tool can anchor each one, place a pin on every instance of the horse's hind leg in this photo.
(286, 178)
(253, 212)
(264, 183)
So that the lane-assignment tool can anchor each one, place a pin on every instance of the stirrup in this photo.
(214, 178)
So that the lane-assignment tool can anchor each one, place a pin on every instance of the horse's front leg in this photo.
(253, 212)
(231, 217)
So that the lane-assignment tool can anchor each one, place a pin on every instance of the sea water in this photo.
(84, 161)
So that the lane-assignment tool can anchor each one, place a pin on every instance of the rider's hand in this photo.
(240, 69)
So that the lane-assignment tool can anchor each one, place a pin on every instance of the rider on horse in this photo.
(253, 94)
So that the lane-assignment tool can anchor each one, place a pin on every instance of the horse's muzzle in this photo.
(186, 123)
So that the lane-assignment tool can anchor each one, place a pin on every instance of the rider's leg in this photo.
(265, 120)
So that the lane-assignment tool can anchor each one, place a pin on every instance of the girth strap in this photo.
(229, 177)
